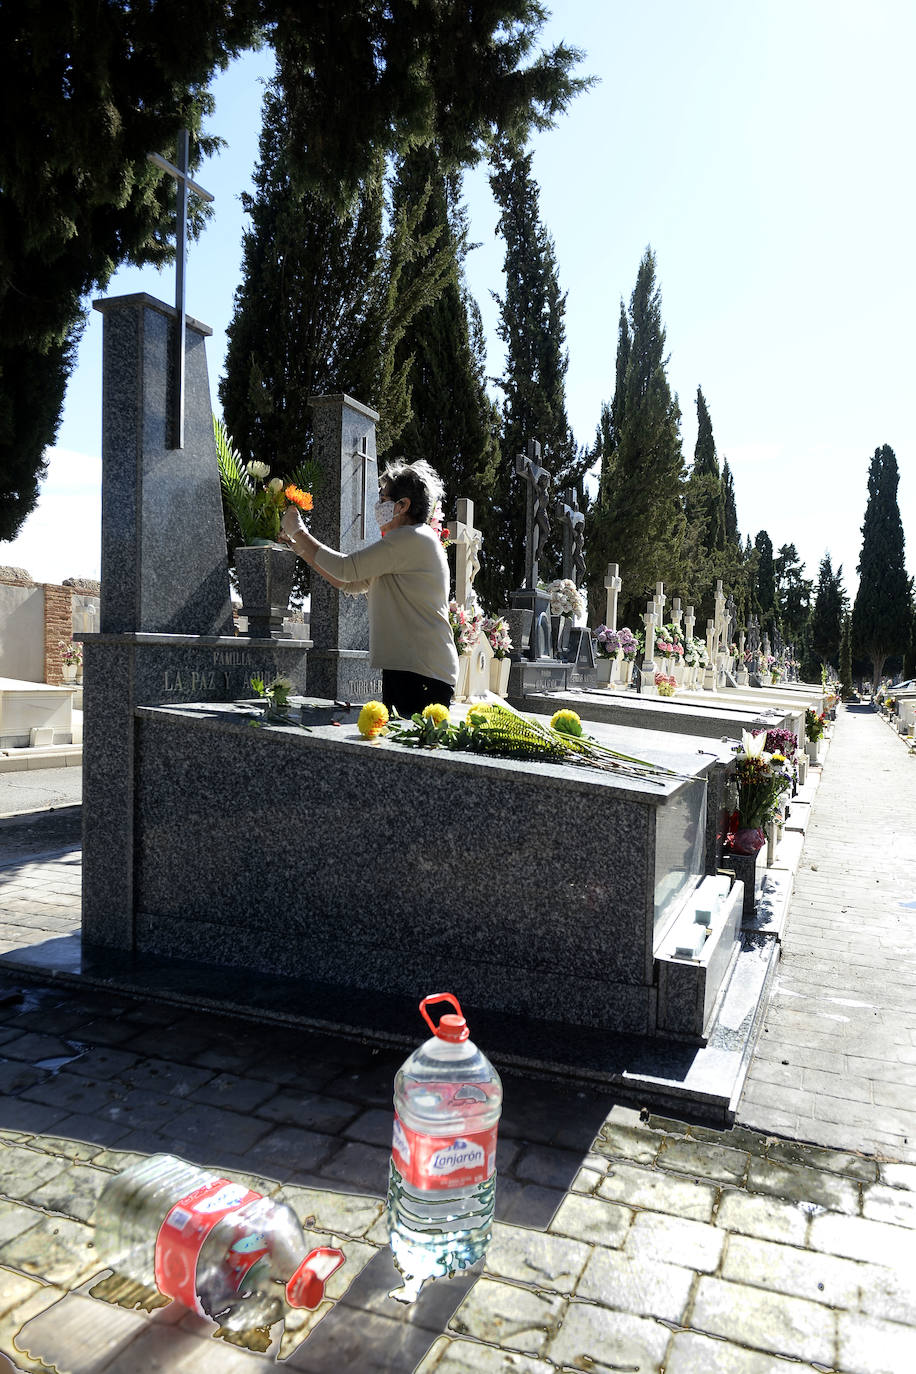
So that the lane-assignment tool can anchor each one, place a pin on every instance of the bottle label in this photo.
(182, 1235)
(433, 1162)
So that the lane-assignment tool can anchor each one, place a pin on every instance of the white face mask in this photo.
(384, 513)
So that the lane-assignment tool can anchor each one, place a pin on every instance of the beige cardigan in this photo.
(406, 577)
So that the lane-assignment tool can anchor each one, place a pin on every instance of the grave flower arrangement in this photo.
(565, 598)
(497, 729)
(665, 684)
(607, 642)
(695, 655)
(466, 623)
(497, 632)
(761, 781)
(814, 725)
(437, 524)
(669, 642)
(628, 644)
(72, 653)
(255, 500)
(781, 742)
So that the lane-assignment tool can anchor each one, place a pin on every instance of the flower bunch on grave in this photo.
(628, 643)
(665, 684)
(695, 655)
(71, 653)
(565, 598)
(437, 524)
(814, 724)
(372, 720)
(466, 623)
(275, 696)
(669, 642)
(760, 784)
(497, 729)
(255, 500)
(497, 632)
(607, 642)
(781, 742)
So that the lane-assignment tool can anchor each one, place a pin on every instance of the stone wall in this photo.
(36, 618)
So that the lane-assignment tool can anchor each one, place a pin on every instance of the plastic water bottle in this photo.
(442, 1176)
(224, 1251)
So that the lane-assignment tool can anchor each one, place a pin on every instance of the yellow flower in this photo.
(435, 712)
(476, 716)
(567, 722)
(373, 719)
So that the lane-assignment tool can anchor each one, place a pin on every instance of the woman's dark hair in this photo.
(418, 481)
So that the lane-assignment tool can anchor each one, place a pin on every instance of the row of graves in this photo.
(279, 862)
(895, 702)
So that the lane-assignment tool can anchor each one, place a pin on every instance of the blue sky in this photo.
(765, 152)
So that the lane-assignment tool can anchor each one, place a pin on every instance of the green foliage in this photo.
(453, 423)
(730, 510)
(828, 613)
(765, 583)
(532, 327)
(91, 88)
(847, 688)
(881, 614)
(640, 520)
(703, 495)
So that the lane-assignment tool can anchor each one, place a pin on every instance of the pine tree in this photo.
(322, 306)
(453, 423)
(641, 520)
(532, 327)
(827, 616)
(880, 616)
(90, 89)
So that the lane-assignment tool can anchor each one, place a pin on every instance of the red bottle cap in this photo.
(306, 1287)
(452, 1028)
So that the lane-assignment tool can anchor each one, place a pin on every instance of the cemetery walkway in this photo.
(623, 1240)
(836, 1060)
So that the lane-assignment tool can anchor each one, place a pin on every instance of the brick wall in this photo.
(58, 627)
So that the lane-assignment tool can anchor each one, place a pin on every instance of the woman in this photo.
(405, 575)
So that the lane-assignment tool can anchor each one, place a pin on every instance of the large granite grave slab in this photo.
(215, 873)
(718, 720)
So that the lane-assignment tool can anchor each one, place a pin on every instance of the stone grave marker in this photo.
(474, 677)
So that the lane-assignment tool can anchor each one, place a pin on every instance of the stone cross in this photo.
(660, 600)
(711, 637)
(468, 543)
(767, 651)
(537, 523)
(741, 646)
(183, 184)
(676, 613)
(648, 660)
(613, 585)
(365, 461)
(573, 522)
(689, 621)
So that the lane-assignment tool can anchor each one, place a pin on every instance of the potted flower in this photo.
(565, 600)
(71, 659)
(665, 684)
(607, 652)
(256, 501)
(629, 647)
(497, 633)
(815, 724)
(466, 623)
(761, 779)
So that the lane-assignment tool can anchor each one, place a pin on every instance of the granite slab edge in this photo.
(237, 718)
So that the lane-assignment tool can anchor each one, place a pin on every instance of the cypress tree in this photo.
(322, 306)
(533, 329)
(90, 89)
(846, 685)
(880, 616)
(766, 583)
(730, 510)
(827, 616)
(453, 422)
(641, 519)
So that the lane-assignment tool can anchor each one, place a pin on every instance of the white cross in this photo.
(660, 600)
(613, 584)
(183, 184)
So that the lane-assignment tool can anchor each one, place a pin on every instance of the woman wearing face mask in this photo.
(405, 575)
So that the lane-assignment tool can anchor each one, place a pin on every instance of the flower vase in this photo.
(556, 631)
(499, 676)
(625, 672)
(679, 671)
(604, 666)
(464, 676)
(69, 671)
(266, 573)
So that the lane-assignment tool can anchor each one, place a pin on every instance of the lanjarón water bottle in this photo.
(216, 1246)
(442, 1176)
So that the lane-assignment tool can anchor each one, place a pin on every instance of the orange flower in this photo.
(296, 497)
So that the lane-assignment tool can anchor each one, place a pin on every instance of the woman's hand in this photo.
(291, 523)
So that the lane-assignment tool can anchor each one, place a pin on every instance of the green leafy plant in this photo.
(255, 500)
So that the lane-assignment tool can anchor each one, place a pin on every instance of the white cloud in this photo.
(63, 535)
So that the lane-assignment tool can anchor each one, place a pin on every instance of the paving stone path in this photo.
(624, 1241)
(836, 1061)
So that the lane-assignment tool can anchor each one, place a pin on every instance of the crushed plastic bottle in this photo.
(442, 1175)
(216, 1246)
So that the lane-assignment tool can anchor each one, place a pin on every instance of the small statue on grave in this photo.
(538, 531)
(753, 644)
(573, 538)
(731, 621)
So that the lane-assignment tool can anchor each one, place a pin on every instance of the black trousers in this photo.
(408, 693)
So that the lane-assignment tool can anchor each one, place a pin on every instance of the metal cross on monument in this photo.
(183, 184)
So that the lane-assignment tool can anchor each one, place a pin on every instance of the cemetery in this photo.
(595, 917)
